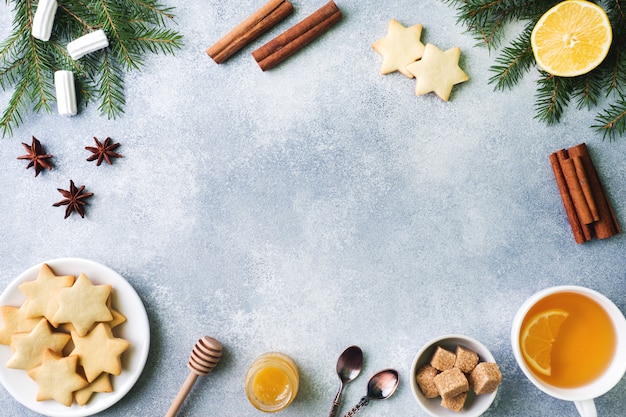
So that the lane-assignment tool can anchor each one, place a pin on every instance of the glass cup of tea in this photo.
(570, 341)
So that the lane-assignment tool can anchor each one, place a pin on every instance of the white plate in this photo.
(136, 330)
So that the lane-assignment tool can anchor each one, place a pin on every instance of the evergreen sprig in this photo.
(486, 21)
(27, 65)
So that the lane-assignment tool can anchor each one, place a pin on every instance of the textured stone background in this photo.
(315, 206)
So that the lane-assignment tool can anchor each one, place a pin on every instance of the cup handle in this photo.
(586, 408)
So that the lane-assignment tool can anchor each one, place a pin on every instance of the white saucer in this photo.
(136, 330)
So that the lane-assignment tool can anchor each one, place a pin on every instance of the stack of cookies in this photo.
(62, 336)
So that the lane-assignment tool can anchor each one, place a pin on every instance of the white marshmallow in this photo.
(44, 18)
(66, 93)
(88, 43)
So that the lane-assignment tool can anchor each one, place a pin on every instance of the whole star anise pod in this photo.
(74, 200)
(38, 159)
(103, 151)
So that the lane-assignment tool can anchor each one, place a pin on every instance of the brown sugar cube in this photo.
(466, 359)
(451, 383)
(442, 359)
(454, 403)
(425, 380)
(485, 378)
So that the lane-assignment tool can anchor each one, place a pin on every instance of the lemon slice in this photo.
(571, 38)
(538, 336)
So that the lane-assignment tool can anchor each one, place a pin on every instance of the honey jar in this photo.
(272, 382)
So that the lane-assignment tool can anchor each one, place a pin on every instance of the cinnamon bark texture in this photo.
(297, 37)
(586, 204)
(250, 29)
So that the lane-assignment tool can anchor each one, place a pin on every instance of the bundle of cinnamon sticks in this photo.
(586, 204)
(283, 46)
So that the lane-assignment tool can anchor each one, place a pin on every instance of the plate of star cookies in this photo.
(74, 337)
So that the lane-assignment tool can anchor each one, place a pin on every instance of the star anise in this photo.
(74, 200)
(38, 159)
(103, 151)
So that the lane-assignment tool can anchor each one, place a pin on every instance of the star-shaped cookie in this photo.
(39, 292)
(28, 348)
(83, 304)
(57, 378)
(437, 71)
(401, 47)
(118, 318)
(14, 320)
(99, 351)
(100, 384)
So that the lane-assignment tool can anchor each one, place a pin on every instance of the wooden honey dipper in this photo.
(204, 356)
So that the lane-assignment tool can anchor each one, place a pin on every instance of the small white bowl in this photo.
(475, 404)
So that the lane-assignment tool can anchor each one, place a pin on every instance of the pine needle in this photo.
(553, 96)
(514, 62)
(486, 21)
(612, 121)
(27, 65)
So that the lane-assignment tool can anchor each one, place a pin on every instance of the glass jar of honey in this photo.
(272, 382)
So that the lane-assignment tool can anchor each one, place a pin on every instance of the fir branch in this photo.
(553, 95)
(69, 15)
(514, 62)
(10, 74)
(10, 58)
(111, 87)
(588, 89)
(87, 88)
(18, 104)
(617, 68)
(27, 65)
(112, 14)
(611, 122)
(150, 11)
(13, 49)
(156, 40)
(40, 74)
(483, 18)
(486, 19)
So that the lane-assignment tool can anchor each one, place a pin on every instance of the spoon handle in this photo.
(336, 403)
(182, 395)
(364, 401)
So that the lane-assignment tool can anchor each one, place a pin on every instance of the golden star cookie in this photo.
(83, 304)
(28, 348)
(40, 302)
(57, 378)
(401, 47)
(118, 318)
(99, 351)
(437, 71)
(101, 384)
(14, 320)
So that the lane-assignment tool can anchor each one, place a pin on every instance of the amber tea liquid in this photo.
(585, 343)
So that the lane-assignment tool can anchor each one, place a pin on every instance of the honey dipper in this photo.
(204, 356)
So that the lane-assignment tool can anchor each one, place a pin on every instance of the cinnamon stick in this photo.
(608, 225)
(297, 37)
(581, 233)
(580, 187)
(576, 192)
(585, 187)
(250, 29)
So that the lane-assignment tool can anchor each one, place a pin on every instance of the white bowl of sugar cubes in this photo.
(454, 375)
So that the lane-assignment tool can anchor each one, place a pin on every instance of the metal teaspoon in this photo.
(380, 386)
(349, 367)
